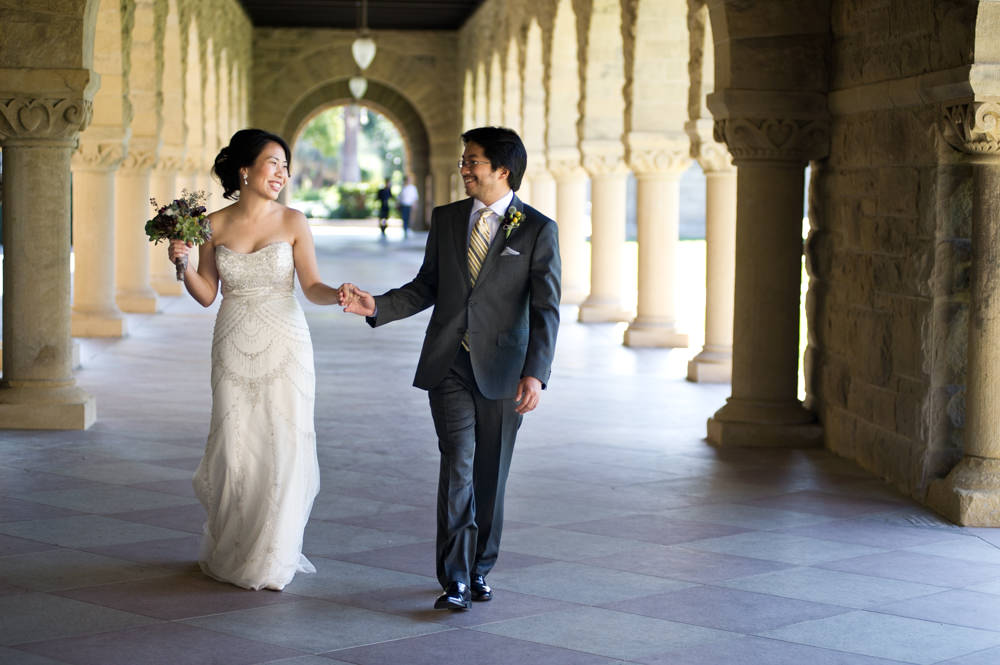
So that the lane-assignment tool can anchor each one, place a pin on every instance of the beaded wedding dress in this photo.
(259, 475)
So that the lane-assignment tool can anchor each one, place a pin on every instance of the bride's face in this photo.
(269, 172)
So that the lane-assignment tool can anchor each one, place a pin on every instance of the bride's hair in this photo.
(242, 151)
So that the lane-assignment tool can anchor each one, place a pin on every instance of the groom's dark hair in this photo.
(503, 147)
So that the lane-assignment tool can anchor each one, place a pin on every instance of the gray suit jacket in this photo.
(512, 313)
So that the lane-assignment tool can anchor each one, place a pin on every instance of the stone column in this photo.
(604, 162)
(657, 162)
(764, 409)
(970, 494)
(164, 187)
(132, 208)
(571, 200)
(39, 132)
(444, 172)
(95, 313)
(714, 364)
(543, 192)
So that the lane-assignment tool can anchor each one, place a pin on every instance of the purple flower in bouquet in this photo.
(181, 219)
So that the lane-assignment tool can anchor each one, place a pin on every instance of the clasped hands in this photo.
(355, 300)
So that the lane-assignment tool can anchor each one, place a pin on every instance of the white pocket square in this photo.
(507, 251)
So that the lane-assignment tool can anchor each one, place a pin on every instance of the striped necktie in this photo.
(479, 245)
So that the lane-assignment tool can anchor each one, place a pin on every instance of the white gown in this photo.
(259, 475)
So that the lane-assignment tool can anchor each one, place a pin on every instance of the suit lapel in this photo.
(496, 244)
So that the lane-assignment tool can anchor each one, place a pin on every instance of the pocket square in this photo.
(507, 251)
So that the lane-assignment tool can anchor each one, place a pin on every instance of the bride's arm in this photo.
(202, 284)
(304, 253)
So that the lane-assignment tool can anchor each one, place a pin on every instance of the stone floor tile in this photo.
(578, 583)
(315, 626)
(761, 651)
(419, 523)
(873, 533)
(487, 649)
(172, 553)
(334, 577)
(984, 657)
(825, 503)
(25, 480)
(157, 645)
(832, 587)
(971, 549)
(746, 517)
(563, 544)
(773, 546)
(188, 517)
(27, 508)
(604, 632)
(118, 472)
(918, 567)
(891, 637)
(543, 511)
(679, 563)
(10, 545)
(334, 507)
(179, 486)
(107, 499)
(959, 607)
(331, 539)
(68, 569)
(654, 529)
(178, 596)
(85, 531)
(32, 617)
(726, 609)
(18, 657)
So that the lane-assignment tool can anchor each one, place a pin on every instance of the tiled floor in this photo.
(629, 539)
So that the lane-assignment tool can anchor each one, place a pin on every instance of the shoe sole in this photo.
(449, 605)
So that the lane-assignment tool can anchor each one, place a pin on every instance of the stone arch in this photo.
(512, 115)
(111, 105)
(534, 97)
(494, 98)
(656, 65)
(144, 83)
(604, 75)
(564, 78)
(173, 130)
(384, 100)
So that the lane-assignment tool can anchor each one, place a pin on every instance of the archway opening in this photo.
(342, 157)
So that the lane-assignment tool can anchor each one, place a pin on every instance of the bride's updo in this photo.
(242, 151)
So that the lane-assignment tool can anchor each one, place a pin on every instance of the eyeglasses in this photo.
(472, 163)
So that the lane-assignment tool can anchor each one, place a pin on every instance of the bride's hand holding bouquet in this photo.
(183, 223)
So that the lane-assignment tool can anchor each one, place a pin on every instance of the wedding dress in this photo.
(259, 475)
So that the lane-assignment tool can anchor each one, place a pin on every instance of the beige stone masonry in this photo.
(133, 292)
(571, 199)
(40, 119)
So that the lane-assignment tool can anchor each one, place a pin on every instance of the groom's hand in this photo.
(356, 301)
(529, 391)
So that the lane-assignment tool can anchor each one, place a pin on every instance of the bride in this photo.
(259, 475)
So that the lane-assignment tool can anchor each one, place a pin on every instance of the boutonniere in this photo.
(511, 221)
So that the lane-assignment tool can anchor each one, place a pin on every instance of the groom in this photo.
(491, 271)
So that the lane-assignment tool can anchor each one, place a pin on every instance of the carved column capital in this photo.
(601, 158)
(141, 156)
(650, 154)
(712, 156)
(564, 163)
(972, 128)
(98, 155)
(43, 119)
(774, 139)
(170, 159)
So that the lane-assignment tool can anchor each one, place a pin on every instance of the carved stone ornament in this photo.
(28, 118)
(98, 155)
(798, 140)
(973, 128)
(602, 157)
(714, 157)
(564, 163)
(138, 159)
(669, 156)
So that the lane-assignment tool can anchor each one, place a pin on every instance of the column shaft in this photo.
(543, 195)
(38, 389)
(95, 313)
(162, 274)
(658, 222)
(571, 198)
(131, 253)
(607, 249)
(715, 361)
(764, 408)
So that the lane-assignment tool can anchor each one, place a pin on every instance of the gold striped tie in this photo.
(479, 245)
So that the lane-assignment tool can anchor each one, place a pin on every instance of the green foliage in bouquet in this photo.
(181, 219)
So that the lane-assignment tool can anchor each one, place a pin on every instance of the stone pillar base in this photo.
(137, 302)
(596, 311)
(656, 335)
(167, 286)
(970, 494)
(711, 367)
(51, 409)
(749, 423)
(762, 435)
(95, 324)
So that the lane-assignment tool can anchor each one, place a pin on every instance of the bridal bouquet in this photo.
(181, 219)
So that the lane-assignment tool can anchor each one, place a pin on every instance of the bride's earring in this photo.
(245, 182)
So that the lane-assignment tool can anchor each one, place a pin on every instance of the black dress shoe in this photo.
(481, 591)
(455, 597)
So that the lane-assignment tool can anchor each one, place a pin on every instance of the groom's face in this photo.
(481, 180)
